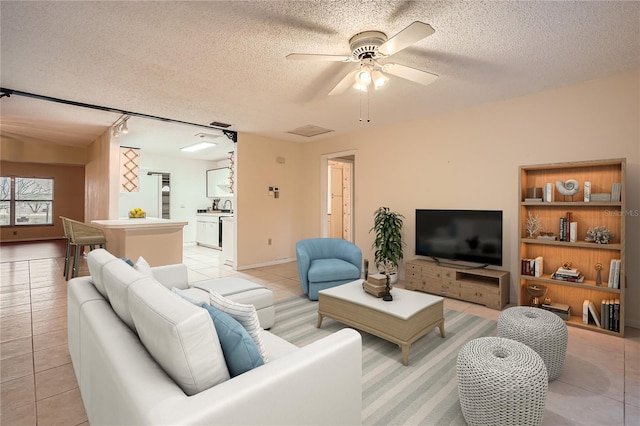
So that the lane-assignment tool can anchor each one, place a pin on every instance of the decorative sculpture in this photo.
(568, 188)
(533, 225)
(599, 235)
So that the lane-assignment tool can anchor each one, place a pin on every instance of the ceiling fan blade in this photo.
(405, 38)
(344, 84)
(313, 57)
(411, 74)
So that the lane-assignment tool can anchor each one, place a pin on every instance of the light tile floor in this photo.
(600, 383)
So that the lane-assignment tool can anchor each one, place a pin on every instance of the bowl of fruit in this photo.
(137, 213)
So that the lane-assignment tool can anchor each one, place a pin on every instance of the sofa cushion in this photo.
(244, 314)
(117, 277)
(143, 267)
(240, 351)
(239, 290)
(187, 296)
(179, 335)
(96, 260)
(332, 270)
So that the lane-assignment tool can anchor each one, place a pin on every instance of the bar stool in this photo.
(80, 234)
(67, 252)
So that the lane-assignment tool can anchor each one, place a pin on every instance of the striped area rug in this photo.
(423, 393)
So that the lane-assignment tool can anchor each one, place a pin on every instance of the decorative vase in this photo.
(598, 277)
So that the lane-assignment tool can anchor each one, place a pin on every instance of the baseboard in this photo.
(632, 324)
(31, 240)
(275, 262)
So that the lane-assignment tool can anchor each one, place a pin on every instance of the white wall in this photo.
(188, 189)
(470, 159)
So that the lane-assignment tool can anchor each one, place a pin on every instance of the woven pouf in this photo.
(501, 382)
(543, 331)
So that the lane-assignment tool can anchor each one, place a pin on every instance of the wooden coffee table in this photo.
(404, 320)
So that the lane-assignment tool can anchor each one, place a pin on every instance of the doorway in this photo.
(338, 191)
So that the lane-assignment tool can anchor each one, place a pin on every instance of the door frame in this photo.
(324, 190)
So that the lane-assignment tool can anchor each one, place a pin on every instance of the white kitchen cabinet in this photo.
(228, 242)
(208, 230)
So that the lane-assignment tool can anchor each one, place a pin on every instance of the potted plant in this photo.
(388, 243)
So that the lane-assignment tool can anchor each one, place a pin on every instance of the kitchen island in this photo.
(158, 241)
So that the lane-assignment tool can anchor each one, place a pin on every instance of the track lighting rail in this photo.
(5, 92)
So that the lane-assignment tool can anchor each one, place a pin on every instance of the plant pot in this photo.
(393, 278)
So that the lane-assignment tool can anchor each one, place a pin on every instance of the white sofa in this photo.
(122, 383)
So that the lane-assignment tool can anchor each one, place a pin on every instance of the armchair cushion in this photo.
(332, 269)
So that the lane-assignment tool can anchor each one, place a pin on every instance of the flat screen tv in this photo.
(473, 236)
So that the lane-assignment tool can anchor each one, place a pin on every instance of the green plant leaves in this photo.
(388, 243)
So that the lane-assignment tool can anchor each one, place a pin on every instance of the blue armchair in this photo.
(325, 263)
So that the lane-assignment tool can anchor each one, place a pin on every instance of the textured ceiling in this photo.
(225, 61)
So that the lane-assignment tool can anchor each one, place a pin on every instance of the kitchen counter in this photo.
(215, 213)
(158, 240)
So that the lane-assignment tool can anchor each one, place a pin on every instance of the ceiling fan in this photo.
(368, 48)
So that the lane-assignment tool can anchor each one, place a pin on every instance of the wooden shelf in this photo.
(572, 203)
(587, 284)
(581, 254)
(576, 321)
(577, 244)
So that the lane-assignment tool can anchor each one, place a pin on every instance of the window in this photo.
(26, 201)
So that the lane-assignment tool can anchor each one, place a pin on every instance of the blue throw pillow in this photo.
(239, 349)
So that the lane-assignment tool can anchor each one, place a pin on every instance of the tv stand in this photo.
(456, 266)
(484, 286)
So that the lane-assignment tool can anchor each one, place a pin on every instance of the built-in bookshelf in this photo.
(604, 177)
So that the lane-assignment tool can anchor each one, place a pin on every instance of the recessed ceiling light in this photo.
(197, 146)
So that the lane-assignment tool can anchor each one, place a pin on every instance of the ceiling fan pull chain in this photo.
(360, 95)
(368, 106)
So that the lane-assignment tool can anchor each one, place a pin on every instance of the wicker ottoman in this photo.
(543, 331)
(501, 382)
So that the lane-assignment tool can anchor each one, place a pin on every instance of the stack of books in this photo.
(375, 285)
(589, 312)
(614, 274)
(560, 309)
(568, 228)
(570, 274)
(610, 314)
(532, 267)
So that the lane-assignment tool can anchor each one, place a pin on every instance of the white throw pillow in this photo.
(244, 314)
(143, 267)
(179, 335)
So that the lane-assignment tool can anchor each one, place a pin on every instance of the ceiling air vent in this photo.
(309, 130)
(219, 124)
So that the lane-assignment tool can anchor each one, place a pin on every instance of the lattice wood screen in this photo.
(129, 170)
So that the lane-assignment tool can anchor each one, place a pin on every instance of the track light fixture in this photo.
(120, 126)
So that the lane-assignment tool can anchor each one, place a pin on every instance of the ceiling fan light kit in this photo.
(368, 48)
